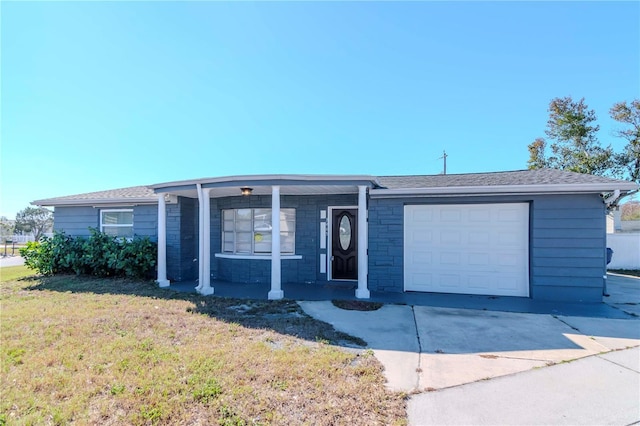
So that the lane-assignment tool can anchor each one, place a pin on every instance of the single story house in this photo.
(537, 234)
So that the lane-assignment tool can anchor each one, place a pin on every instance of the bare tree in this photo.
(36, 220)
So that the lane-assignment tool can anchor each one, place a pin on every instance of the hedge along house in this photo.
(536, 234)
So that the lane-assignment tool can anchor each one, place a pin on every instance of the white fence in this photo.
(626, 250)
(21, 239)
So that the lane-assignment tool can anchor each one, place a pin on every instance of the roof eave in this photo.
(267, 179)
(94, 202)
(593, 188)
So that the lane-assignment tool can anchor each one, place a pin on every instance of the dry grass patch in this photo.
(88, 351)
(356, 305)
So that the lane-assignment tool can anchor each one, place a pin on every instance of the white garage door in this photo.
(467, 248)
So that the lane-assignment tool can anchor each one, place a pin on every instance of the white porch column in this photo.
(276, 284)
(200, 237)
(362, 292)
(205, 281)
(162, 242)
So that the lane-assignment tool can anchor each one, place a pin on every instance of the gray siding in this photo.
(182, 240)
(76, 221)
(145, 221)
(386, 245)
(567, 244)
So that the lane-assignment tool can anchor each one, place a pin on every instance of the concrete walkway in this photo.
(489, 367)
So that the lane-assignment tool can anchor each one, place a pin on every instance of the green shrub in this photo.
(34, 257)
(100, 255)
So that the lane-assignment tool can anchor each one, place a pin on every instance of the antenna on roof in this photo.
(444, 157)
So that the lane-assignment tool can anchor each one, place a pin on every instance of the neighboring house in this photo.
(532, 233)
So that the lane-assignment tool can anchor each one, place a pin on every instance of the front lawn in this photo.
(12, 273)
(82, 350)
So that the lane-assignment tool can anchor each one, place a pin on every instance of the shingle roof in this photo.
(541, 177)
(133, 194)
(518, 177)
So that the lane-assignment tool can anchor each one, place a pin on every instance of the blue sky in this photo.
(102, 95)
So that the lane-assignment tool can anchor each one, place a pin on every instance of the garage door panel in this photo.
(479, 259)
(470, 249)
(509, 259)
(421, 257)
(450, 258)
(422, 237)
(422, 216)
(449, 214)
(508, 239)
(449, 281)
(478, 237)
(450, 238)
(480, 215)
(509, 215)
(510, 283)
(425, 280)
(479, 282)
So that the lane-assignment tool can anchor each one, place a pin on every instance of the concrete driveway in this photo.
(469, 366)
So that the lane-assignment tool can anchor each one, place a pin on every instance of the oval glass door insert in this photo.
(345, 232)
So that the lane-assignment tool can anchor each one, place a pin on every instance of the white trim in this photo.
(200, 238)
(323, 263)
(256, 257)
(362, 292)
(503, 189)
(323, 235)
(205, 286)
(162, 243)
(330, 236)
(103, 211)
(276, 264)
(305, 178)
(99, 203)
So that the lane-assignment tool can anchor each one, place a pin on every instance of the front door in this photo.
(344, 250)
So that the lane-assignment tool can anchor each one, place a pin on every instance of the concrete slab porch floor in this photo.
(346, 291)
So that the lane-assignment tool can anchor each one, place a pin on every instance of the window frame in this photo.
(103, 225)
(252, 252)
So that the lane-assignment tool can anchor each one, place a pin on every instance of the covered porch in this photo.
(265, 194)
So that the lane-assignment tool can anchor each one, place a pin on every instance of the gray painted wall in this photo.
(305, 270)
(566, 248)
(76, 221)
(182, 240)
(567, 240)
